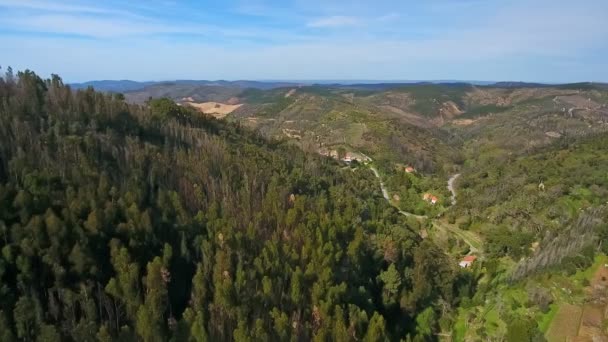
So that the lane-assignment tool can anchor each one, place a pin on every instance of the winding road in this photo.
(451, 187)
(469, 238)
(384, 191)
(387, 197)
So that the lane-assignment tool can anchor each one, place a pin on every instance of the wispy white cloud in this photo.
(77, 18)
(53, 6)
(339, 21)
(124, 25)
(88, 26)
(504, 40)
(334, 21)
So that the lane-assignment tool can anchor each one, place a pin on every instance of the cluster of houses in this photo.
(468, 260)
(348, 156)
(430, 198)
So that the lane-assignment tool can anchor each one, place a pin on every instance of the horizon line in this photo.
(338, 81)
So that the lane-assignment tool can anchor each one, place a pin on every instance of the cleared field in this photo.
(591, 323)
(565, 324)
(591, 328)
(218, 110)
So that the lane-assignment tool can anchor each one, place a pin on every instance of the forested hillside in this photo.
(551, 199)
(154, 223)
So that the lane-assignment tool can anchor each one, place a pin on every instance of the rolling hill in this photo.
(188, 227)
(433, 128)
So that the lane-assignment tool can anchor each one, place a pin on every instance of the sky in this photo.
(486, 40)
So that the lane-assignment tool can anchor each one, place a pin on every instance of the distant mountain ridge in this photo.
(112, 85)
(140, 91)
(128, 85)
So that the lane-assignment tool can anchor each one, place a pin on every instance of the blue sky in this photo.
(516, 40)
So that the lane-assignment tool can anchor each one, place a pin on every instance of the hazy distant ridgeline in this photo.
(128, 85)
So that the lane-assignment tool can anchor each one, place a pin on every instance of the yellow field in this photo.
(218, 110)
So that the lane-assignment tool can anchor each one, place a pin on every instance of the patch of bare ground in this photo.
(409, 117)
(291, 92)
(292, 133)
(600, 278)
(463, 122)
(578, 101)
(447, 112)
(216, 109)
(553, 134)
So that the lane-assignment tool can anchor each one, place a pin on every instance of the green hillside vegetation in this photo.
(410, 188)
(199, 93)
(429, 97)
(546, 305)
(335, 120)
(404, 126)
(482, 110)
(259, 96)
(531, 241)
(155, 223)
(534, 195)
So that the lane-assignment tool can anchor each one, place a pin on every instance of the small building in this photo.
(467, 261)
(348, 157)
(409, 169)
(430, 198)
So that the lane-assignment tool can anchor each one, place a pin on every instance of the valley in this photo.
(303, 171)
(468, 212)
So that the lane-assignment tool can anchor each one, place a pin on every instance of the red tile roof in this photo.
(469, 258)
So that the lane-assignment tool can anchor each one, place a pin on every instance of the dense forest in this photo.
(153, 223)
